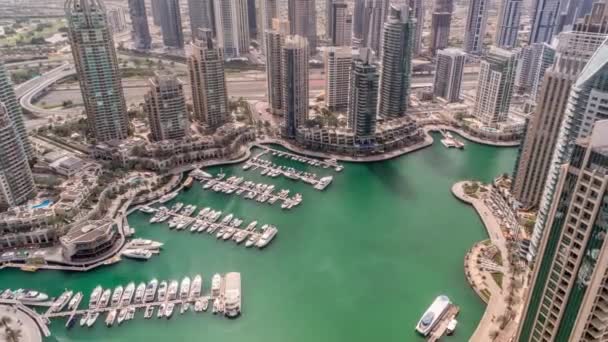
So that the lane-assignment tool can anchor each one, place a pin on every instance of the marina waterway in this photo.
(359, 261)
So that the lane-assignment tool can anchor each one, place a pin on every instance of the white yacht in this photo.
(166, 198)
(433, 315)
(58, 304)
(75, 301)
(92, 318)
(452, 326)
(169, 310)
(203, 227)
(138, 254)
(145, 244)
(216, 284)
(83, 319)
(111, 318)
(227, 219)
(116, 296)
(162, 291)
(140, 291)
(151, 291)
(324, 182)
(105, 299)
(196, 287)
(172, 290)
(147, 210)
(127, 296)
(161, 310)
(184, 289)
(228, 233)
(149, 312)
(122, 315)
(252, 240)
(31, 296)
(232, 302)
(267, 236)
(95, 297)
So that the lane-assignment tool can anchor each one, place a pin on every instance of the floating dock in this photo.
(253, 191)
(239, 235)
(449, 141)
(324, 163)
(181, 303)
(441, 327)
(272, 170)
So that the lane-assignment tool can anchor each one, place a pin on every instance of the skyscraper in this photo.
(358, 19)
(208, 81)
(267, 11)
(275, 39)
(337, 61)
(116, 19)
(252, 19)
(294, 59)
(495, 86)
(156, 9)
(375, 13)
(165, 105)
(573, 52)
(201, 16)
(8, 97)
(302, 18)
(508, 23)
(363, 97)
(140, 32)
(16, 180)
(417, 6)
(341, 24)
(475, 26)
(533, 62)
(329, 17)
(545, 21)
(568, 294)
(232, 25)
(397, 48)
(448, 74)
(97, 68)
(171, 24)
(440, 25)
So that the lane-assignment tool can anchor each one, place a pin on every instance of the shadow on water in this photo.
(390, 178)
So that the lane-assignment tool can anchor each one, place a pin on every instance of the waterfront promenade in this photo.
(497, 304)
(20, 322)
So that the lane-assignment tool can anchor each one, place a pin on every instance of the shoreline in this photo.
(496, 303)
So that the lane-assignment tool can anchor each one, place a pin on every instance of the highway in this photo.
(28, 91)
(250, 85)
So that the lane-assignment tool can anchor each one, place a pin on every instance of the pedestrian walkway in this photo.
(497, 304)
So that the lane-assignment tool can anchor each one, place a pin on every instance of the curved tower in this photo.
(97, 68)
(16, 180)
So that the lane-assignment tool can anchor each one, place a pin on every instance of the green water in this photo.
(359, 262)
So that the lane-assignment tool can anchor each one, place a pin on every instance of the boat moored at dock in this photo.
(433, 314)
(232, 295)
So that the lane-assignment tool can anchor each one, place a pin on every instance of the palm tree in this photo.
(12, 335)
(5, 321)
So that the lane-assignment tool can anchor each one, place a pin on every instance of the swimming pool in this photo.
(44, 204)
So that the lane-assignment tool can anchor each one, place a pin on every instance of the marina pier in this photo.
(326, 163)
(122, 303)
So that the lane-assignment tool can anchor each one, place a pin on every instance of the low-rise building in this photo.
(89, 240)
(167, 154)
(389, 135)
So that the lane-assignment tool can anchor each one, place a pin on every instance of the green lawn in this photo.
(497, 276)
(26, 37)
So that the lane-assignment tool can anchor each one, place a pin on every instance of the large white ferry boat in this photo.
(433, 315)
(233, 295)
